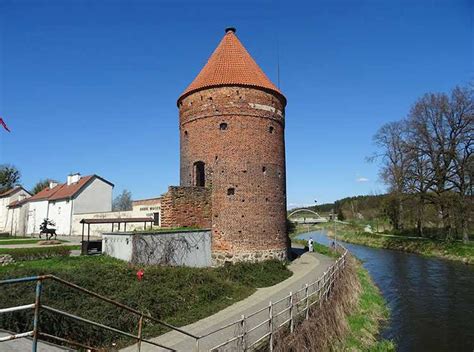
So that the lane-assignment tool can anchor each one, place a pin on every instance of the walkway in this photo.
(25, 344)
(306, 269)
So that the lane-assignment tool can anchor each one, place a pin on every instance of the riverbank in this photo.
(350, 320)
(454, 250)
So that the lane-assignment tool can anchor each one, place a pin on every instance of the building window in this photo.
(230, 191)
(223, 126)
(199, 174)
(271, 129)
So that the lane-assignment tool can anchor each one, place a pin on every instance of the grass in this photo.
(177, 295)
(365, 321)
(453, 250)
(23, 241)
(32, 253)
(353, 233)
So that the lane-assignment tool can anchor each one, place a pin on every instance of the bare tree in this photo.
(123, 201)
(460, 118)
(391, 139)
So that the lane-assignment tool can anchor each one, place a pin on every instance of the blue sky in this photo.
(91, 86)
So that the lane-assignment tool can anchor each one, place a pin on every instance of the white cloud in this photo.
(362, 179)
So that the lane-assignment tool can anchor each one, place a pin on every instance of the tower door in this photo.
(199, 174)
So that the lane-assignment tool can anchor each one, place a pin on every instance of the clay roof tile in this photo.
(230, 65)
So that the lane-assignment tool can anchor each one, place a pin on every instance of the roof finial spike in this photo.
(230, 29)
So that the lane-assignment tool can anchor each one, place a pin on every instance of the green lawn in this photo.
(178, 295)
(22, 241)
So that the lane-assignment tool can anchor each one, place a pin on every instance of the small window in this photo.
(271, 129)
(264, 170)
(230, 191)
(199, 174)
(185, 133)
(223, 126)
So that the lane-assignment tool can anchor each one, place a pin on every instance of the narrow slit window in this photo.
(199, 174)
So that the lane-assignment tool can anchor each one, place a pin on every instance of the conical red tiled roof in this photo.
(230, 64)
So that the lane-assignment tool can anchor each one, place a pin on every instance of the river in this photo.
(431, 300)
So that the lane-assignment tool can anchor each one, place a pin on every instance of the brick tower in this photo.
(231, 120)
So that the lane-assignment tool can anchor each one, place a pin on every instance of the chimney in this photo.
(52, 184)
(73, 178)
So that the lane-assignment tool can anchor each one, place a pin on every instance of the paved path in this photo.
(25, 344)
(306, 269)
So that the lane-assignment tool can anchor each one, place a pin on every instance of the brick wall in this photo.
(186, 207)
(239, 134)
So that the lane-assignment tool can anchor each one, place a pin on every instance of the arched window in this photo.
(199, 174)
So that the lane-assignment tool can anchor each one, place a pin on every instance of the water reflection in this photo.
(431, 300)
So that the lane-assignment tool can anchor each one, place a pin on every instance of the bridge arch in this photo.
(301, 210)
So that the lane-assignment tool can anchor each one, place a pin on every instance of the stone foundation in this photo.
(221, 258)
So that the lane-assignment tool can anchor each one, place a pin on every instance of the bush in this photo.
(4, 234)
(21, 254)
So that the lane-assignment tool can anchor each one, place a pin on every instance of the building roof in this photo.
(13, 191)
(230, 65)
(148, 201)
(115, 220)
(18, 203)
(65, 191)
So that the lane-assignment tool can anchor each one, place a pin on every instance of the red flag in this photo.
(4, 125)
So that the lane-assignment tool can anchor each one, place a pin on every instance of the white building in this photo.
(10, 208)
(60, 202)
(142, 208)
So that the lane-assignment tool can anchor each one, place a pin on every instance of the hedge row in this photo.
(21, 254)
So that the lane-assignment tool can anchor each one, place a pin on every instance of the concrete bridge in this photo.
(314, 219)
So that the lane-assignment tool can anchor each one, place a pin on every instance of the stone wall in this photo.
(186, 207)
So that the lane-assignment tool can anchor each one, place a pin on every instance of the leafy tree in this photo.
(42, 184)
(123, 201)
(9, 177)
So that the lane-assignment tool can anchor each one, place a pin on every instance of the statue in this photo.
(49, 232)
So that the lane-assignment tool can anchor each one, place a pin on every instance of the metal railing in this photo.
(248, 332)
(36, 333)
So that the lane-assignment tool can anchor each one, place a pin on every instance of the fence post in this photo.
(39, 287)
(291, 312)
(307, 301)
(140, 328)
(270, 325)
(244, 337)
(320, 289)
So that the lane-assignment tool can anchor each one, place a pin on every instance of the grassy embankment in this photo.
(452, 250)
(366, 320)
(350, 320)
(22, 241)
(354, 233)
(177, 295)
